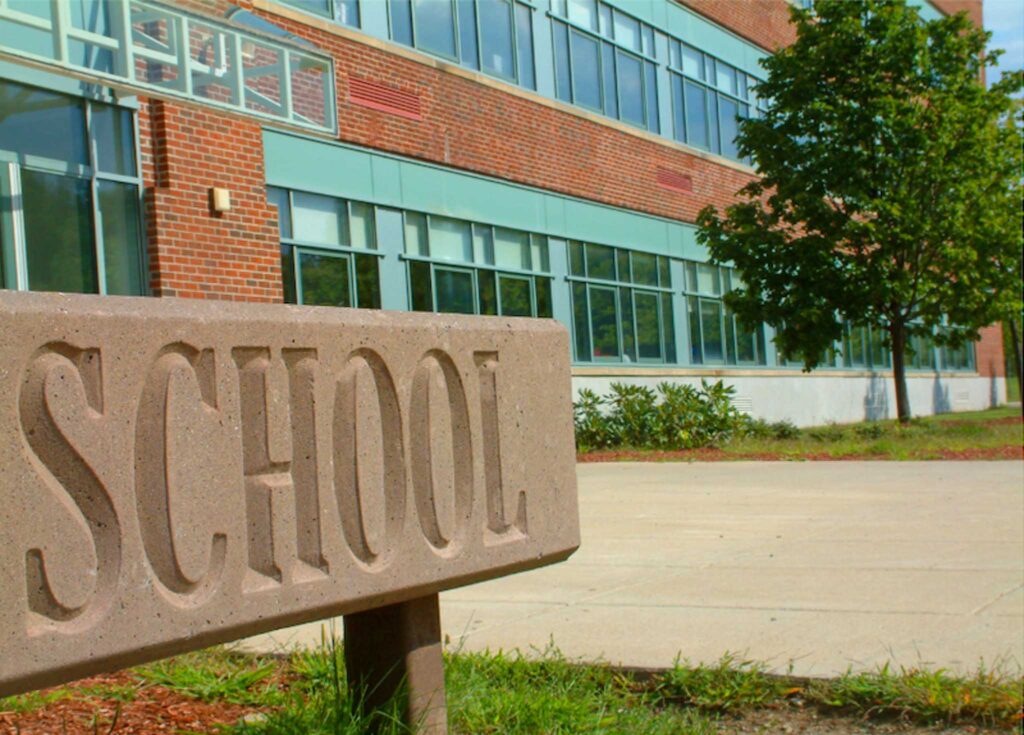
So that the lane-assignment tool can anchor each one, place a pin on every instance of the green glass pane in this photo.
(622, 265)
(668, 327)
(488, 294)
(496, 37)
(483, 245)
(576, 266)
(586, 85)
(420, 288)
(450, 239)
(664, 274)
(61, 251)
(288, 274)
(696, 344)
(855, 343)
(691, 276)
(539, 253)
(604, 322)
(278, 198)
(44, 124)
(435, 26)
(581, 327)
(122, 241)
(711, 329)
(114, 133)
(879, 352)
(511, 248)
(626, 319)
(708, 281)
(368, 281)
(746, 342)
(601, 262)
(319, 219)
(415, 234)
(543, 287)
(325, 280)
(645, 269)
(515, 296)
(454, 291)
(363, 230)
(648, 327)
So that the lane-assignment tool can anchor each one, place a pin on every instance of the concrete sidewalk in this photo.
(822, 566)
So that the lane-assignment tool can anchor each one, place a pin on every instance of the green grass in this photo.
(217, 674)
(512, 694)
(933, 437)
(923, 438)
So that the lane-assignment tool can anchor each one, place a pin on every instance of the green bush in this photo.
(672, 416)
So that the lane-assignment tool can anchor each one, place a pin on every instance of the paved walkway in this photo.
(826, 565)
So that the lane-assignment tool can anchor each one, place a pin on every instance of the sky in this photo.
(1005, 19)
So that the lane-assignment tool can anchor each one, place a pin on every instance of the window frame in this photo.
(477, 64)
(648, 65)
(300, 246)
(475, 267)
(588, 283)
(729, 322)
(14, 270)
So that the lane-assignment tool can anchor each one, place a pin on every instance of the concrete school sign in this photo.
(175, 474)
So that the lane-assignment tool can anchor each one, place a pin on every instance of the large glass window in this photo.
(865, 347)
(622, 305)
(717, 336)
(345, 12)
(604, 61)
(709, 99)
(71, 194)
(493, 36)
(467, 268)
(328, 250)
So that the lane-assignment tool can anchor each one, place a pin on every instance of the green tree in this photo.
(890, 185)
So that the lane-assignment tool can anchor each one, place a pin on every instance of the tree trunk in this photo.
(1015, 343)
(898, 337)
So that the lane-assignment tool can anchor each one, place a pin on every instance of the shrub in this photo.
(673, 416)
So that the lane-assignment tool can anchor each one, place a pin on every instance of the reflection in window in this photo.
(504, 271)
(718, 336)
(605, 65)
(79, 207)
(494, 36)
(709, 99)
(328, 250)
(622, 305)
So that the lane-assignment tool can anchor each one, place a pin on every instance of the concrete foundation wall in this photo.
(815, 399)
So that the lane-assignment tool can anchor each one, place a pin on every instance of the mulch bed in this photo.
(153, 711)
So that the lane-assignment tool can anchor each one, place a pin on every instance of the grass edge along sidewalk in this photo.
(232, 693)
(992, 434)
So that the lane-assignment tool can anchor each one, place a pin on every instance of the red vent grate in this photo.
(381, 97)
(674, 180)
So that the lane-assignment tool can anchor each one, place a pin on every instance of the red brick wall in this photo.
(988, 353)
(194, 252)
(949, 7)
(764, 22)
(472, 126)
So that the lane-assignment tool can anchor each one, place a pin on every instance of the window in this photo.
(864, 347)
(605, 61)
(718, 337)
(622, 305)
(957, 358)
(493, 36)
(345, 12)
(467, 268)
(70, 194)
(709, 99)
(267, 72)
(328, 250)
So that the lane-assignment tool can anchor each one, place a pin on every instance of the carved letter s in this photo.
(63, 387)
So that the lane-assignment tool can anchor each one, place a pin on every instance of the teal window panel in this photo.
(497, 43)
